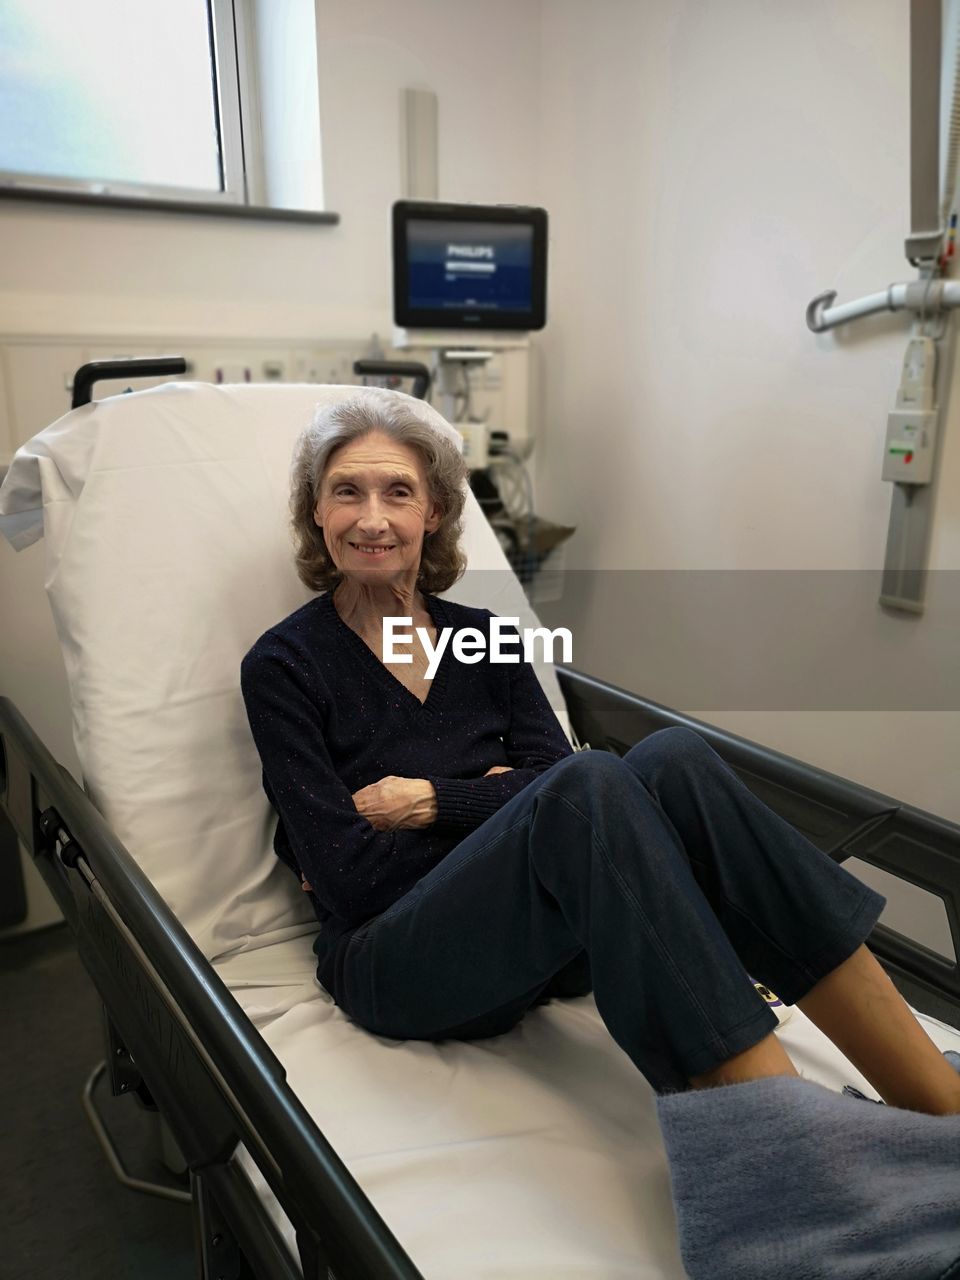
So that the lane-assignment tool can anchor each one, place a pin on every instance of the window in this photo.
(134, 101)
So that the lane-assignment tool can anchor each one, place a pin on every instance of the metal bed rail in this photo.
(840, 817)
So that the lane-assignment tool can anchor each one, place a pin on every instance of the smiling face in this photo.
(374, 509)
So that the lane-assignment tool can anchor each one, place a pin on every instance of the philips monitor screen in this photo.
(469, 266)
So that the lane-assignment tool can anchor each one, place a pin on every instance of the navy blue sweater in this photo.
(328, 717)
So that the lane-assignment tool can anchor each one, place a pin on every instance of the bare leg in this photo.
(868, 1020)
(768, 1058)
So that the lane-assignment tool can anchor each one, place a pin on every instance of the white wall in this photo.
(709, 168)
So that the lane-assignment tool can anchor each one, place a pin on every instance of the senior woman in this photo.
(466, 864)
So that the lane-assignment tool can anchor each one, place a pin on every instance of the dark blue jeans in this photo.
(658, 879)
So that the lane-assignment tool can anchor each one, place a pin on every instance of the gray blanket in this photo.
(784, 1179)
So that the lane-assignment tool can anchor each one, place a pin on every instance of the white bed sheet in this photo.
(530, 1156)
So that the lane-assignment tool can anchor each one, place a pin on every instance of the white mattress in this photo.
(530, 1156)
(533, 1155)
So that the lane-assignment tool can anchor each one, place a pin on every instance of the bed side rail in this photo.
(840, 817)
(214, 1079)
(397, 369)
(124, 367)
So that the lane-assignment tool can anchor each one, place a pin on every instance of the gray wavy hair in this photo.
(442, 561)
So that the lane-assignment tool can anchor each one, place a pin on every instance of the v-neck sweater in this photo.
(328, 718)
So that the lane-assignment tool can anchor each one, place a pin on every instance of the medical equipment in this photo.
(312, 1144)
(469, 267)
(912, 427)
(454, 382)
(911, 442)
(496, 469)
(469, 283)
(475, 433)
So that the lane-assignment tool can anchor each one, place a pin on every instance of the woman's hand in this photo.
(395, 804)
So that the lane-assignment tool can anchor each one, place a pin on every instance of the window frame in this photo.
(233, 76)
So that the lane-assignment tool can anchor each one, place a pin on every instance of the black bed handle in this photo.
(397, 369)
(98, 370)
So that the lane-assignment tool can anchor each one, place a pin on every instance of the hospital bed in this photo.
(312, 1146)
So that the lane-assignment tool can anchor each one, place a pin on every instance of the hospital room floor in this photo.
(62, 1212)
